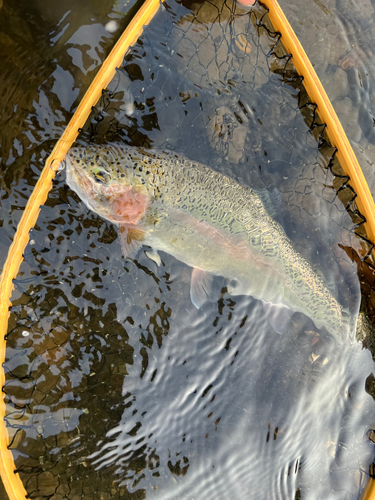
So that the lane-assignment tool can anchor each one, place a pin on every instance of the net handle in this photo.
(11, 480)
(327, 114)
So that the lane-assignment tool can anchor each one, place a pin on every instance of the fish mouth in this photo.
(77, 179)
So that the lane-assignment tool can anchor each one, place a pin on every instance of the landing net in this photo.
(93, 377)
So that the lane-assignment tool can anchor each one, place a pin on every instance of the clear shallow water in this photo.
(117, 386)
(338, 36)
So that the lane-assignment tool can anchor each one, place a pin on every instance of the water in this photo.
(338, 37)
(117, 387)
(48, 58)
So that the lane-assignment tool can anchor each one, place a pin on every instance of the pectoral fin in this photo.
(201, 284)
(278, 316)
(131, 239)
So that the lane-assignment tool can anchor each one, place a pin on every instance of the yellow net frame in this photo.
(314, 88)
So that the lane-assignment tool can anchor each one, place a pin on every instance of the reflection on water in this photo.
(117, 386)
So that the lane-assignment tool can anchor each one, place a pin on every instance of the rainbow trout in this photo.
(206, 220)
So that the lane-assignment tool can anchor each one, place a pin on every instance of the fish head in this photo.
(110, 181)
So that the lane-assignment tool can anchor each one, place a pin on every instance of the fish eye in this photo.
(101, 175)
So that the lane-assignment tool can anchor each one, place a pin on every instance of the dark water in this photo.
(117, 387)
(49, 55)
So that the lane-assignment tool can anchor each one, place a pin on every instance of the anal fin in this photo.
(201, 284)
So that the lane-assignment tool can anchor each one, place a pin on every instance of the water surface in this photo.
(338, 36)
(117, 387)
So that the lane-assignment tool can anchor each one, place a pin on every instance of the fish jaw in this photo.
(80, 184)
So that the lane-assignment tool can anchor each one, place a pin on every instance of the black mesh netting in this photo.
(117, 387)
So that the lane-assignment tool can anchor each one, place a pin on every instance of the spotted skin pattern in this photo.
(206, 220)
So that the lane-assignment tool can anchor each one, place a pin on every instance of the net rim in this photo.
(327, 114)
(12, 481)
